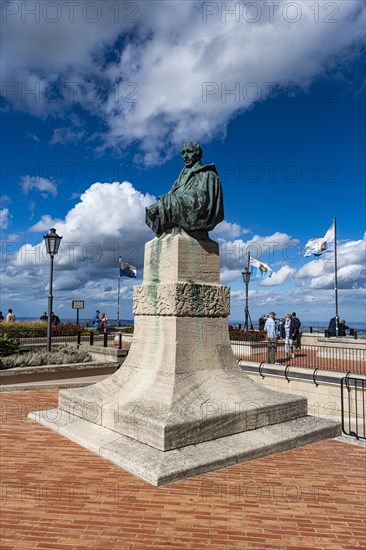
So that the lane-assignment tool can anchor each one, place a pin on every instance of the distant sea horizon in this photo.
(318, 326)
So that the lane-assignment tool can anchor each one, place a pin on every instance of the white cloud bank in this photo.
(87, 264)
(187, 69)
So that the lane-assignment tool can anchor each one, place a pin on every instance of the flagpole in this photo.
(119, 288)
(335, 275)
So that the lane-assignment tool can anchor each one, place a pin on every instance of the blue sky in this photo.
(97, 98)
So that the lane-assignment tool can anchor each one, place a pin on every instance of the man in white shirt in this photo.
(271, 329)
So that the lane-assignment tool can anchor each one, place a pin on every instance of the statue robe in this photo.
(195, 202)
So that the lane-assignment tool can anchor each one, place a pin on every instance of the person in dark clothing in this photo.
(342, 328)
(297, 332)
(261, 322)
(44, 317)
(333, 323)
(55, 319)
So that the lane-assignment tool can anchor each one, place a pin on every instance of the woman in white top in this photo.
(287, 332)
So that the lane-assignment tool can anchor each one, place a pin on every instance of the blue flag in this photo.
(127, 270)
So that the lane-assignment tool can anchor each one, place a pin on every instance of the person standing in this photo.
(333, 325)
(271, 329)
(296, 335)
(288, 332)
(262, 322)
(44, 317)
(96, 320)
(103, 322)
(10, 318)
(342, 328)
(55, 319)
(1, 317)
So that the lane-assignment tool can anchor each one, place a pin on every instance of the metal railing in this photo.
(340, 359)
(116, 340)
(353, 406)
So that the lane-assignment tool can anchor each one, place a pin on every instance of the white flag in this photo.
(259, 269)
(317, 247)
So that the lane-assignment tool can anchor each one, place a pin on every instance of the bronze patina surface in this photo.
(195, 201)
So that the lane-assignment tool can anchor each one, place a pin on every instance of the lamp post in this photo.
(52, 241)
(246, 278)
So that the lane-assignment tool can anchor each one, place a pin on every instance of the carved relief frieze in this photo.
(182, 299)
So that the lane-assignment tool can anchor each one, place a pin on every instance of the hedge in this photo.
(34, 329)
(246, 335)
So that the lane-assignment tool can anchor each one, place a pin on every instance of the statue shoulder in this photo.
(207, 168)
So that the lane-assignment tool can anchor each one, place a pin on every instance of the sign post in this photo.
(77, 304)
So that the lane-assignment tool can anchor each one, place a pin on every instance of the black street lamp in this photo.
(246, 278)
(52, 245)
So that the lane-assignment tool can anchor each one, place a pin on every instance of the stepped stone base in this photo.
(167, 412)
(161, 467)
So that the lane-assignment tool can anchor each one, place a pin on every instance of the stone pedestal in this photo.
(179, 405)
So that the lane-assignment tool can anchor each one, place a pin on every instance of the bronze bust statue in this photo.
(195, 201)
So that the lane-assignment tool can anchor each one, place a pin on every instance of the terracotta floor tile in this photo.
(55, 494)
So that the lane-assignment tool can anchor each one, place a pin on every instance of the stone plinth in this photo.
(180, 390)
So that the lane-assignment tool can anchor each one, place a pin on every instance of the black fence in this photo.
(340, 359)
(353, 407)
(116, 340)
(336, 358)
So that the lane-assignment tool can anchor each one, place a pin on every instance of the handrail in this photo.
(259, 369)
(356, 396)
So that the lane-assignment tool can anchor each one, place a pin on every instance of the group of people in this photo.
(342, 327)
(287, 328)
(100, 321)
(55, 319)
(10, 318)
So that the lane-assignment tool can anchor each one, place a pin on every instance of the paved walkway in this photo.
(55, 494)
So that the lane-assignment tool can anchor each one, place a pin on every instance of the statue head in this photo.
(191, 153)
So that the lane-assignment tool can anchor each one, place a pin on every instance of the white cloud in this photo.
(92, 241)
(86, 266)
(279, 277)
(43, 185)
(87, 262)
(351, 272)
(4, 218)
(66, 135)
(234, 253)
(12, 238)
(230, 275)
(228, 230)
(44, 224)
(60, 62)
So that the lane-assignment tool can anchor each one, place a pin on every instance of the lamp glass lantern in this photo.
(52, 241)
(246, 275)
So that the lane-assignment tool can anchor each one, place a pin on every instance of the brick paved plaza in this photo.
(55, 494)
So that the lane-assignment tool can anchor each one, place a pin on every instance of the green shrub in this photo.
(38, 329)
(8, 346)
